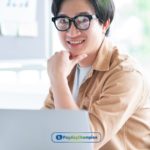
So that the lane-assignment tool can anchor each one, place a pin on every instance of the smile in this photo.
(75, 42)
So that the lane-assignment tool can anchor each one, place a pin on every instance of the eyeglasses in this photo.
(81, 22)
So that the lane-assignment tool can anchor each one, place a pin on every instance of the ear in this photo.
(106, 26)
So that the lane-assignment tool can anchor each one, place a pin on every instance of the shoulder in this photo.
(123, 61)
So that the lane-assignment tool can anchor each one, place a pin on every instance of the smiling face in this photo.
(81, 41)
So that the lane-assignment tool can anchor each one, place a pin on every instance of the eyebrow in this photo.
(83, 13)
(80, 13)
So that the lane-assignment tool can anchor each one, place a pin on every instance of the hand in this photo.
(61, 64)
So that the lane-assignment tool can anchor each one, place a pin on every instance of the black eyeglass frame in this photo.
(90, 17)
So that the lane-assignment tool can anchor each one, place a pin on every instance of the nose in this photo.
(73, 31)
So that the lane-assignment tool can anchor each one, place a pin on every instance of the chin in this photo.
(76, 50)
(75, 53)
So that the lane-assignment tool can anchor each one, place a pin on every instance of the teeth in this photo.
(75, 42)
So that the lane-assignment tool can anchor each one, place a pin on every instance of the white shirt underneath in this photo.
(80, 76)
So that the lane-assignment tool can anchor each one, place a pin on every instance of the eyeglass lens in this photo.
(64, 23)
(82, 22)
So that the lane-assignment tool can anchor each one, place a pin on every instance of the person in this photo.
(92, 74)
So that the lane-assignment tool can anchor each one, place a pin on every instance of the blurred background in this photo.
(28, 39)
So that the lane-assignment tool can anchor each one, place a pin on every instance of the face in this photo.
(81, 41)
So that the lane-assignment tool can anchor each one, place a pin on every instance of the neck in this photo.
(88, 61)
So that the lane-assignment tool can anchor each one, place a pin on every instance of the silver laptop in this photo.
(44, 130)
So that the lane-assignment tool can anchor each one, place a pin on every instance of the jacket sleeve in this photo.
(49, 102)
(121, 96)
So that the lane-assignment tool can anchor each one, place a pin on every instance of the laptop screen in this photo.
(44, 130)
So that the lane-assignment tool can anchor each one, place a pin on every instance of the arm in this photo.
(121, 96)
(49, 101)
(59, 67)
(62, 94)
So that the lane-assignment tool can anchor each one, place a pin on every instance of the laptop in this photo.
(44, 130)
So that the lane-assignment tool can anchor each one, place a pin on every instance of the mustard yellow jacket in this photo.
(116, 96)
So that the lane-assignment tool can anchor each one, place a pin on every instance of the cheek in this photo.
(96, 28)
(95, 36)
(97, 32)
(62, 37)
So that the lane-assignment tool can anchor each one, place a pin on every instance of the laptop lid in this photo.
(44, 130)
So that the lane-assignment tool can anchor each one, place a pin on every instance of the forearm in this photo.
(59, 67)
(62, 95)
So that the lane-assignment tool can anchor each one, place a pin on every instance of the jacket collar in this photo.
(102, 61)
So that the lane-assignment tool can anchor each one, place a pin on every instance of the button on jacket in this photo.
(116, 96)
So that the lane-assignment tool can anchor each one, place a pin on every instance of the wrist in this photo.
(58, 80)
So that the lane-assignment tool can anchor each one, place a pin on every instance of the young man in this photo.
(91, 74)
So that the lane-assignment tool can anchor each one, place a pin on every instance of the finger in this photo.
(77, 59)
(56, 53)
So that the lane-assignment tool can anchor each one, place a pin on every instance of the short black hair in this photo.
(104, 10)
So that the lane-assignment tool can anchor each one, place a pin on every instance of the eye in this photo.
(82, 22)
(63, 20)
(82, 19)
(62, 23)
